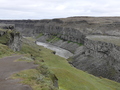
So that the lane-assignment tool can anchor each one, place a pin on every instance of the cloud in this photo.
(40, 9)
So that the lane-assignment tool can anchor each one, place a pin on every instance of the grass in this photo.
(69, 78)
(35, 79)
(5, 38)
(72, 79)
(39, 79)
(26, 59)
(5, 51)
(30, 39)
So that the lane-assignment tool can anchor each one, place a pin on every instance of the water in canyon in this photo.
(59, 51)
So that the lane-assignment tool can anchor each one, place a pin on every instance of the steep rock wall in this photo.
(15, 42)
(86, 25)
(11, 38)
(101, 49)
(99, 58)
(68, 34)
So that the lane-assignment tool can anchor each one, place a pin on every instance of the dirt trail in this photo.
(7, 68)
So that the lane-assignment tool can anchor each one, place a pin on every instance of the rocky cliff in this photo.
(86, 25)
(99, 58)
(15, 41)
(68, 34)
(11, 38)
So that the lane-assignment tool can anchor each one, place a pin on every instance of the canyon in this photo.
(94, 41)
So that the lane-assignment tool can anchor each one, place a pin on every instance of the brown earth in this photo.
(7, 68)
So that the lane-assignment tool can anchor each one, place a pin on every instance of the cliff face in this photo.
(10, 38)
(68, 34)
(15, 41)
(86, 25)
(47, 27)
(99, 58)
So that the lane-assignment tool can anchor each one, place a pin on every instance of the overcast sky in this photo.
(47, 9)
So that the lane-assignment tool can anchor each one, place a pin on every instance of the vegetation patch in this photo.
(4, 39)
(26, 59)
(53, 38)
(30, 39)
(5, 51)
(80, 44)
(7, 36)
(38, 79)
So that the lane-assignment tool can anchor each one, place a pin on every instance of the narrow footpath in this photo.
(8, 67)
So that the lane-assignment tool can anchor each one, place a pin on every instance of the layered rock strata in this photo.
(99, 58)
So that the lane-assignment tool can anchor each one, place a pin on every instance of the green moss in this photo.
(4, 39)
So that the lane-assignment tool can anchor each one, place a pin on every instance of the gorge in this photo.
(99, 55)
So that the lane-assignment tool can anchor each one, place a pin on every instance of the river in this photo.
(59, 51)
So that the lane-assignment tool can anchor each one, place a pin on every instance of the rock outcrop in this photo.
(11, 38)
(15, 41)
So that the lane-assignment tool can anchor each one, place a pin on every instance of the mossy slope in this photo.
(69, 78)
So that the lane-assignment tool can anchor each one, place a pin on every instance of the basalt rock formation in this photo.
(10, 37)
(99, 57)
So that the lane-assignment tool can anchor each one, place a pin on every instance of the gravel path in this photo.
(7, 68)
